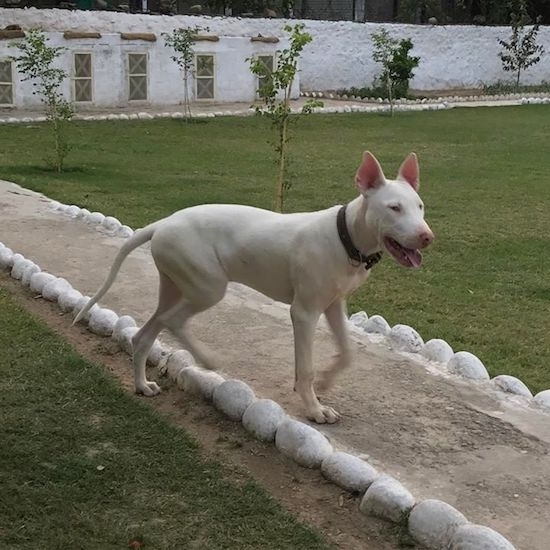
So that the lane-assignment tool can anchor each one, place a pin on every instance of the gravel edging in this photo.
(433, 523)
(360, 105)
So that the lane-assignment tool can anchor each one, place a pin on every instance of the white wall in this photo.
(233, 79)
(340, 54)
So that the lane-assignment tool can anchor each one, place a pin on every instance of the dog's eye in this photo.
(421, 206)
(395, 207)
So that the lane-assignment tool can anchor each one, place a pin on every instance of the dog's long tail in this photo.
(141, 236)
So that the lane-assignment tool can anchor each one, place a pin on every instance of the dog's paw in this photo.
(324, 415)
(149, 389)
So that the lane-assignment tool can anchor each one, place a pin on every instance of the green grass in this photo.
(85, 465)
(485, 181)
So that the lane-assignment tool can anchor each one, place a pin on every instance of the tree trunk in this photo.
(280, 191)
(186, 103)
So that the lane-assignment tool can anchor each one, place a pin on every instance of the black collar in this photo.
(371, 260)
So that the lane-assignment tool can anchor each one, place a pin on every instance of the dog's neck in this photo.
(363, 234)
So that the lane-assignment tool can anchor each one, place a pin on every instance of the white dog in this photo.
(311, 261)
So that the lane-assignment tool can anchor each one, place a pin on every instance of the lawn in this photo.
(85, 465)
(485, 180)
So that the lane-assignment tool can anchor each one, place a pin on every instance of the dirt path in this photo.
(443, 439)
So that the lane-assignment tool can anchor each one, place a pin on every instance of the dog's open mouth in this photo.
(409, 257)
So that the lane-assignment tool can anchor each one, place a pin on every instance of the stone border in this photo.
(534, 98)
(382, 106)
(433, 523)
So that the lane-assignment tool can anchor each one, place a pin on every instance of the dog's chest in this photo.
(354, 278)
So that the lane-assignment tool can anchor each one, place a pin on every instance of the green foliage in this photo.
(275, 92)
(521, 50)
(502, 87)
(36, 61)
(397, 64)
(181, 41)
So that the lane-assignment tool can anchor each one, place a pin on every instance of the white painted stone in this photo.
(111, 224)
(95, 218)
(68, 299)
(199, 381)
(124, 232)
(84, 212)
(387, 498)
(157, 354)
(349, 472)
(61, 208)
(177, 361)
(38, 280)
(54, 205)
(233, 397)
(28, 272)
(80, 304)
(377, 325)
(478, 537)
(359, 319)
(19, 265)
(437, 350)
(467, 365)
(52, 290)
(304, 444)
(405, 338)
(126, 336)
(124, 321)
(72, 211)
(262, 419)
(511, 384)
(6, 258)
(102, 321)
(543, 399)
(432, 523)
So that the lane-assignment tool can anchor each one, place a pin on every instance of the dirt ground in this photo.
(303, 492)
(442, 438)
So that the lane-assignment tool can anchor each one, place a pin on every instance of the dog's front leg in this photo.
(336, 318)
(304, 323)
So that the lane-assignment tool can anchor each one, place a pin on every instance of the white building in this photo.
(132, 69)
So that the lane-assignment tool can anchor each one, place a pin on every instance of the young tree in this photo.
(275, 93)
(397, 64)
(36, 61)
(181, 41)
(521, 51)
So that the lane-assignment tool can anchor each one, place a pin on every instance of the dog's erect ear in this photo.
(369, 175)
(409, 171)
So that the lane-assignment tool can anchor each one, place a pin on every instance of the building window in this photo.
(204, 77)
(268, 61)
(82, 77)
(137, 76)
(6, 83)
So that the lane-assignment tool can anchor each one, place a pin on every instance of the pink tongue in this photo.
(414, 256)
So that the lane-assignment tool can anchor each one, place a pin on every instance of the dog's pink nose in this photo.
(426, 237)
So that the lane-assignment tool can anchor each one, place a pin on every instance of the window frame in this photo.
(11, 83)
(90, 78)
(130, 75)
(259, 78)
(212, 77)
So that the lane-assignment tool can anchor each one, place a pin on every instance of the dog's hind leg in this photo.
(175, 320)
(144, 339)
(336, 318)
